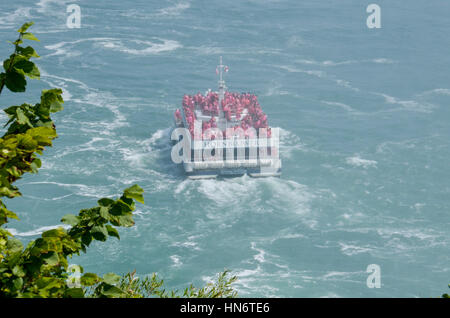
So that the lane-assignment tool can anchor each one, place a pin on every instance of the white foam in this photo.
(224, 192)
(174, 10)
(104, 100)
(418, 206)
(275, 89)
(316, 73)
(388, 145)
(346, 84)
(321, 75)
(325, 63)
(359, 162)
(176, 261)
(290, 194)
(289, 236)
(260, 281)
(439, 91)
(134, 157)
(248, 272)
(283, 196)
(289, 143)
(16, 18)
(188, 244)
(45, 5)
(163, 45)
(66, 49)
(328, 63)
(261, 253)
(341, 276)
(388, 233)
(94, 145)
(383, 61)
(150, 149)
(64, 80)
(349, 249)
(45, 199)
(3, 117)
(157, 136)
(341, 105)
(411, 105)
(182, 186)
(37, 231)
(80, 189)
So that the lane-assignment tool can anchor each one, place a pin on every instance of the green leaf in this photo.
(112, 231)
(29, 36)
(51, 101)
(7, 213)
(43, 135)
(135, 192)
(112, 291)
(111, 278)
(28, 52)
(105, 202)
(18, 283)
(15, 82)
(35, 165)
(46, 283)
(121, 207)
(6, 64)
(23, 119)
(11, 111)
(25, 27)
(18, 271)
(70, 219)
(75, 293)
(35, 73)
(27, 68)
(104, 212)
(99, 233)
(16, 42)
(123, 220)
(14, 245)
(51, 258)
(13, 171)
(86, 238)
(89, 279)
(10, 192)
(55, 233)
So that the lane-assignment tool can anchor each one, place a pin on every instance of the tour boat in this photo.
(224, 134)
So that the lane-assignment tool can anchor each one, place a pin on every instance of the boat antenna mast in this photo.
(222, 87)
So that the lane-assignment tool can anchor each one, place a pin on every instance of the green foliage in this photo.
(220, 289)
(446, 295)
(19, 66)
(41, 269)
(132, 286)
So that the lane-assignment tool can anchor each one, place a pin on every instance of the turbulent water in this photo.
(364, 117)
